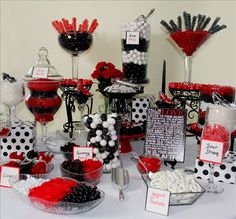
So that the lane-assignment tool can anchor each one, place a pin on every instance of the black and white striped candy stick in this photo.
(167, 26)
(206, 22)
(217, 29)
(179, 22)
(193, 22)
(173, 25)
(214, 24)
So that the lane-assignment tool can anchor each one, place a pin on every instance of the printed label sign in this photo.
(132, 38)
(7, 173)
(165, 133)
(39, 72)
(211, 151)
(82, 153)
(157, 201)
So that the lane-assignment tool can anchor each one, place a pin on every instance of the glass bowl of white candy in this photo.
(184, 189)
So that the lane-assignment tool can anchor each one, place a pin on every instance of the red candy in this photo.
(91, 168)
(218, 133)
(4, 132)
(39, 168)
(47, 157)
(52, 191)
(189, 41)
(16, 156)
(43, 84)
(153, 164)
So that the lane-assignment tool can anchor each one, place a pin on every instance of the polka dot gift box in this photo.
(20, 139)
(225, 172)
(140, 106)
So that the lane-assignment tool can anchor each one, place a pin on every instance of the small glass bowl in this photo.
(63, 208)
(92, 177)
(152, 163)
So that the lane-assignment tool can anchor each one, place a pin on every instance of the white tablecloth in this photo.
(208, 206)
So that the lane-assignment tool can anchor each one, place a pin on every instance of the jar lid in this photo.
(42, 68)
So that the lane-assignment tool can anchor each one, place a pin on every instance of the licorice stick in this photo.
(173, 25)
(189, 21)
(218, 28)
(206, 22)
(193, 22)
(214, 23)
(201, 22)
(185, 20)
(167, 26)
(199, 17)
(179, 23)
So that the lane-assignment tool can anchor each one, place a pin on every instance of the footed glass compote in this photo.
(190, 35)
(12, 93)
(75, 40)
(43, 82)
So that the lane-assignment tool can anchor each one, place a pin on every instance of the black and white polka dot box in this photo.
(139, 109)
(20, 139)
(103, 132)
(225, 172)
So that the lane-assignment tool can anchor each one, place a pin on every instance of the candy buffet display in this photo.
(75, 38)
(57, 195)
(14, 90)
(89, 170)
(183, 186)
(135, 43)
(103, 136)
(189, 33)
(43, 82)
(34, 163)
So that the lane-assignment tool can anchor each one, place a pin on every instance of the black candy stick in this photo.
(193, 22)
(189, 21)
(173, 25)
(206, 22)
(214, 23)
(199, 18)
(179, 22)
(167, 26)
(185, 20)
(201, 22)
(218, 29)
(214, 28)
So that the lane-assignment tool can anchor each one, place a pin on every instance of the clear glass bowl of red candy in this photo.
(152, 164)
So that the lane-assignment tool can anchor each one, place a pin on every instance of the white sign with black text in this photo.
(211, 151)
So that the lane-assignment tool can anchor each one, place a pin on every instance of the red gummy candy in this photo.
(39, 168)
(4, 132)
(16, 156)
(43, 84)
(153, 164)
(92, 168)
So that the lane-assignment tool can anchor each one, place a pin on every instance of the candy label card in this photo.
(39, 72)
(165, 133)
(7, 173)
(157, 201)
(82, 153)
(132, 38)
(211, 151)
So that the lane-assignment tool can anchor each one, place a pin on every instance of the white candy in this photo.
(93, 140)
(98, 138)
(103, 142)
(111, 143)
(114, 137)
(85, 118)
(93, 125)
(110, 127)
(99, 155)
(115, 160)
(87, 129)
(104, 155)
(105, 124)
(95, 151)
(112, 121)
(88, 143)
(116, 153)
(113, 132)
(108, 167)
(96, 121)
(114, 115)
(99, 132)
